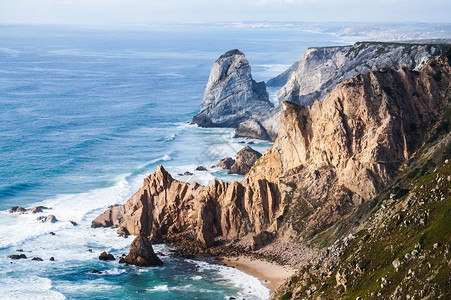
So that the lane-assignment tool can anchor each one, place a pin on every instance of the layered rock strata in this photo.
(322, 68)
(327, 160)
(231, 95)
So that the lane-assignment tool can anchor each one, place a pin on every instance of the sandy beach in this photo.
(270, 274)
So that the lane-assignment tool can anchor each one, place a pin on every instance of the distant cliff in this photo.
(322, 68)
(233, 99)
(231, 95)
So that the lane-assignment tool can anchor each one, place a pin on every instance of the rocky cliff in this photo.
(322, 68)
(231, 95)
(328, 160)
(398, 245)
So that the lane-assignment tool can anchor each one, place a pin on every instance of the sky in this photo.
(110, 12)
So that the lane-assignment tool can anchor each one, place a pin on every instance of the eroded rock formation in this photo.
(244, 160)
(322, 68)
(327, 159)
(231, 95)
(141, 254)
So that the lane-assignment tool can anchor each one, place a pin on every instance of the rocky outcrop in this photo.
(106, 256)
(244, 160)
(231, 95)
(47, 219)
(21, 210)
(225, 163)
(17, 209)
(141, 254)
(322, 68)
(219, 210)
(327, 160)
(252, 128)
(17, 256)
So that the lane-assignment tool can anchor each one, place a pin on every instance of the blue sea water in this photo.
(85, 115)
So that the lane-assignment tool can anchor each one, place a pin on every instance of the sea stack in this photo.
(231, 95)
(141, 254)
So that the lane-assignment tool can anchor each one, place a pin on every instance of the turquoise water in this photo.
(85, 115)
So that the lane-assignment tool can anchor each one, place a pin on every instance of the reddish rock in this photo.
(244, 160)
(106, 256)
(225, 163)
(141, 254)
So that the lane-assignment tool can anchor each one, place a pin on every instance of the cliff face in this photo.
(327, 160)
(401, 248)
(322, 68)
(231, 95)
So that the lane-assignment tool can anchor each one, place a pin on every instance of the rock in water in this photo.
(18, 256)
(48, 219)
(231, 95)
(245, 159)
(252, 128)
(37, 259)
(106, 256)
(17, 209)
(225, 163)
(141, 254)
(122, 231)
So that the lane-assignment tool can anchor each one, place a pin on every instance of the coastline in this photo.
(270, 274)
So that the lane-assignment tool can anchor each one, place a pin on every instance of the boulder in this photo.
(48, 219)
(225, 163)
(37, 259)
(141, 254)
(73, 223)
(201, 168)
(17, 209)
(244, 160)
(95, 271)
(122, 231)
(18, 256)
(37, 209)
(52, 258)
(106, 256)
(252, 128)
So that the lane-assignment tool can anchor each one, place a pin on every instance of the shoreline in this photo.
(270, 274)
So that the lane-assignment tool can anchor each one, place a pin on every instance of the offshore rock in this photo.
(141, 254)
(17, 256)
(17, 209)
(252, 128)
(225, 163)
(244, 160)
(231, 95)
(48, 219)
(106, 256)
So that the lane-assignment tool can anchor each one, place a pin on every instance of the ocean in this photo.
(86, 114)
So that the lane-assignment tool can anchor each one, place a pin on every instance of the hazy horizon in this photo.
(132, 12)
